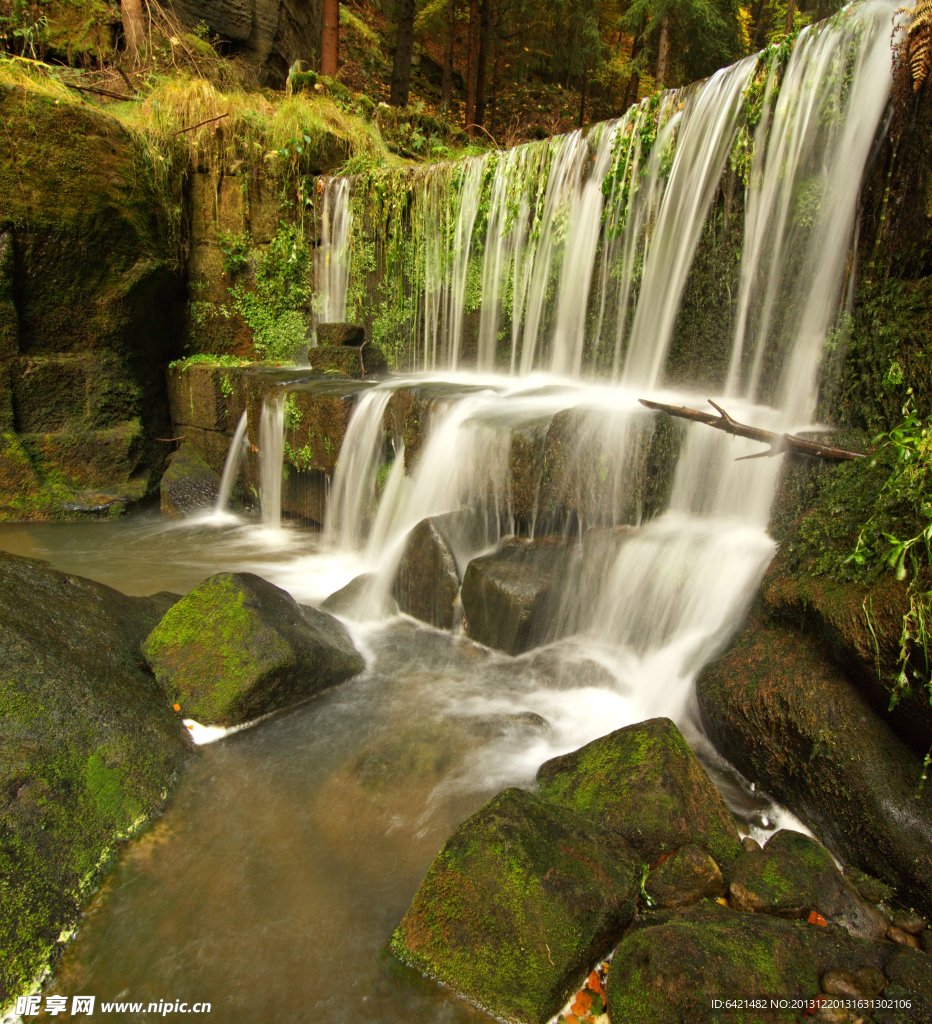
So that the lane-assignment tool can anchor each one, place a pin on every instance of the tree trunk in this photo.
(134, 27)
(634, 82)
(471, 65)
(330, 39)
(790, 15)
(582, 100)
(757, 40)
(446, 90)
(663, 47)
(496, 73)
(482, 62)
(401, 69)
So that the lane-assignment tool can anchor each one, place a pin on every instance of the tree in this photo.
(446, 90)
(330, 39)
(401, 68)
(134, 27)
(472, 65)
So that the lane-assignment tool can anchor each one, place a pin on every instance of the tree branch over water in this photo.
(779, 443)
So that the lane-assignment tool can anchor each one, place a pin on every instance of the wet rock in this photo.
(688, 876)
(900, 937)
(360, 597)
(792, 876)
(787, 718)
(355, 363)
(523, 724)
(851, 985)
(511, 595)
(669, 972)
(238, 647)
(341, 334)
(427, 583)
(750, 845)
(868, 887)
(910, 985)
(88, 749)
(644, 783)
(189, 485)
(521, 900)
(908, 921)
(566, 668)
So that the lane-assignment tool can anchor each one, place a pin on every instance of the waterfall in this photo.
(232, 464)
(330, 265)
(271, 456)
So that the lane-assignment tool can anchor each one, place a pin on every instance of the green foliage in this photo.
(205, 358)
(235, 249)
(274, 309)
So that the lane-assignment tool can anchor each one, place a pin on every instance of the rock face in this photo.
(520, 901)
(511, 595)
(790, 721)
(347, 361)
(88, 749)
(792, 876)
(237, 647)
(341, 334)
(270, 34)
(670, 972)
(427, 583)
(644, 784)
(86, 254)
(189, 485)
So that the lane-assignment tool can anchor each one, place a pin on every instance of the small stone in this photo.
(871, 981)
(898, 936)
(750, 844)
(843, 983)
(908, 921)
(741, 898)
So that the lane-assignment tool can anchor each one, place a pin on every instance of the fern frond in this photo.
(919, 41)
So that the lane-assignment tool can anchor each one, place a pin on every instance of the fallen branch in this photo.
(191, 128)
(779, 443)
(94, 89)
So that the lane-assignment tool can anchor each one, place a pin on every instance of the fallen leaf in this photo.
(816, 918)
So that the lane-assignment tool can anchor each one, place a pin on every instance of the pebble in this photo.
(871, 980)
(909, 922)
(902, 938)
(750, 844)
(842, 983)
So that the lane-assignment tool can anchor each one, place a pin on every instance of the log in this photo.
(779, 443)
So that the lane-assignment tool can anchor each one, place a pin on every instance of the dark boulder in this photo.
(189, 485)
(88, 749)
(361, 597)
(789, 719)
(521, 900)
(238, 647)
(511, 596)
(670, 972)
(427, 583)
(644, 783)
(792, 876)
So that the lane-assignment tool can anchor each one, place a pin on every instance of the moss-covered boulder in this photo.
(511, 596)
(645, 784)
(519, 903)
(794, 875)
(189, 485)
(670, 972)
(341, 334)
(88, 750)
(789, 719)
(685, 877)
(238, 647)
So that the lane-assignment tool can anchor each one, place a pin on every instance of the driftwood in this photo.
(779, 443)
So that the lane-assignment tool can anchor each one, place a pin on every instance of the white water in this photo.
(232, 464)
(331, 263)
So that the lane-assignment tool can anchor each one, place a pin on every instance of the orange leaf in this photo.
(594, 984)
(816, 918)
(582, 1005)
(176, 707)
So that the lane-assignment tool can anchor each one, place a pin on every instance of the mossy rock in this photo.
(88, 750)
(347, 361)
(791, 721)
(687, 876)
(189, 485)
(645, 784)
(520, 902)
(670, 972)
(238, 647)
(794, 875)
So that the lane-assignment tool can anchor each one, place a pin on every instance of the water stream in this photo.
(292, 849)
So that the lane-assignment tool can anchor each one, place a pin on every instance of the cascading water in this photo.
(330, 266)
(232, 465)
(294, 848)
